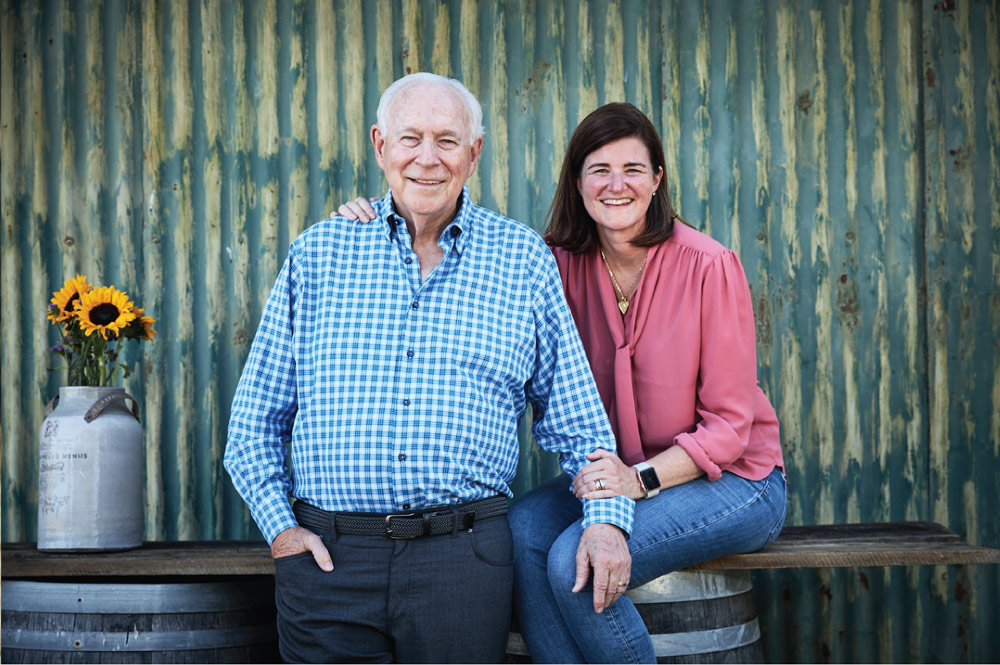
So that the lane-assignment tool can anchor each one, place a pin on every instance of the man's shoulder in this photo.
(499, 228)
(328, 232)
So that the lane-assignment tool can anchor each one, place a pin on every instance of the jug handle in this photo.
(108, 399)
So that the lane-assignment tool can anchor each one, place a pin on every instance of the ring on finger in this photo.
(623, 584)
(599, 484)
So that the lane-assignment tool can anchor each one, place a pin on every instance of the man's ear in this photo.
(477, 149)
(378, 142)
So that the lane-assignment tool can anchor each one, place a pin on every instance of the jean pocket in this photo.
(492, 543)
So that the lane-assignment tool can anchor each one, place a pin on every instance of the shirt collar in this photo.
(458, 228)
(387, 216)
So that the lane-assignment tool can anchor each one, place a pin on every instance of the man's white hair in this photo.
(475, 110)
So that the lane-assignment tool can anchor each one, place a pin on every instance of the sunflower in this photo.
(64, 300)
(106, 310)
(141, 327)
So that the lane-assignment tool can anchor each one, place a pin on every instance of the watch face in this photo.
(650, 480)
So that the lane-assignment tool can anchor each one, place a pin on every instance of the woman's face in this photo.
(617, 183)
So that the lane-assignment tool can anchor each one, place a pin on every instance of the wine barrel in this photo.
(182, 622)
(693, 617)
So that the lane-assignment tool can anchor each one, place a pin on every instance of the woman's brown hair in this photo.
(570, 226)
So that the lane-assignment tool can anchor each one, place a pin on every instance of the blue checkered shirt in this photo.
(397, 395)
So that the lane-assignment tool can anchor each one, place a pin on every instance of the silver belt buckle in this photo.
(388, 525)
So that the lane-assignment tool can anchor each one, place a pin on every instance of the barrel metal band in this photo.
(28, 596)
(706, 641)
(679, 644)
(682, 585)
(145, 640)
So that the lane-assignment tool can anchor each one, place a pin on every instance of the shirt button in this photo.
(406, 506)
(407, 260)
(415, 305)
(409, 353)
(406, 402)
(402, 457)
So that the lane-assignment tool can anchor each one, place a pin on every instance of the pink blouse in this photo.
(681, 368)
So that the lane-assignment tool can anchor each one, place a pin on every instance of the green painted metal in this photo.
(849, 151)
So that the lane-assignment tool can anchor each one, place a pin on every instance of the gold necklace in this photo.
(623, 301)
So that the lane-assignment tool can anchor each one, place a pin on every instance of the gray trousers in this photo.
(434, 599)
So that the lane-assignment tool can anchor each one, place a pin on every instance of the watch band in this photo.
(649, 481)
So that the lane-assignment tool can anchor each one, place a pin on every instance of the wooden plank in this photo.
(824, 559)
(230, 557)
(846, 545)
(827, 546)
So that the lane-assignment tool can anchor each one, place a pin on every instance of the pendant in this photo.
(623, 305)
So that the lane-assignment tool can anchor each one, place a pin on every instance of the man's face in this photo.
(425, 152)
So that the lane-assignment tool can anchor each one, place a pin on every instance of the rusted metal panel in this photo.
(962, 242)
(849, 151)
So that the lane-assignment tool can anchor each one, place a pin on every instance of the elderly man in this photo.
(396, 358)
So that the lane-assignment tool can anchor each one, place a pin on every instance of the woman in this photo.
(666, 319)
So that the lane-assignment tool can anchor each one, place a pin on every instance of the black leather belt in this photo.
(427, 522)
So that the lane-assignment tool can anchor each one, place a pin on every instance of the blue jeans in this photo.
(682, 526)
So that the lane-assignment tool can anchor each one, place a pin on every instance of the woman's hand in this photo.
(358, 209)
(616, 478)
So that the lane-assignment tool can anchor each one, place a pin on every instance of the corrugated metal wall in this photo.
(849, 151)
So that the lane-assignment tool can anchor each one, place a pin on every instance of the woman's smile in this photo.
(616, 184)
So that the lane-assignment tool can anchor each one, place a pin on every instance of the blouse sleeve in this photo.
(727, 370)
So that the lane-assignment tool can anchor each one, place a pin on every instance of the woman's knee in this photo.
(561, 562)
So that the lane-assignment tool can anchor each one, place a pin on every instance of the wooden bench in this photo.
(705, 610)
(826, 546)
